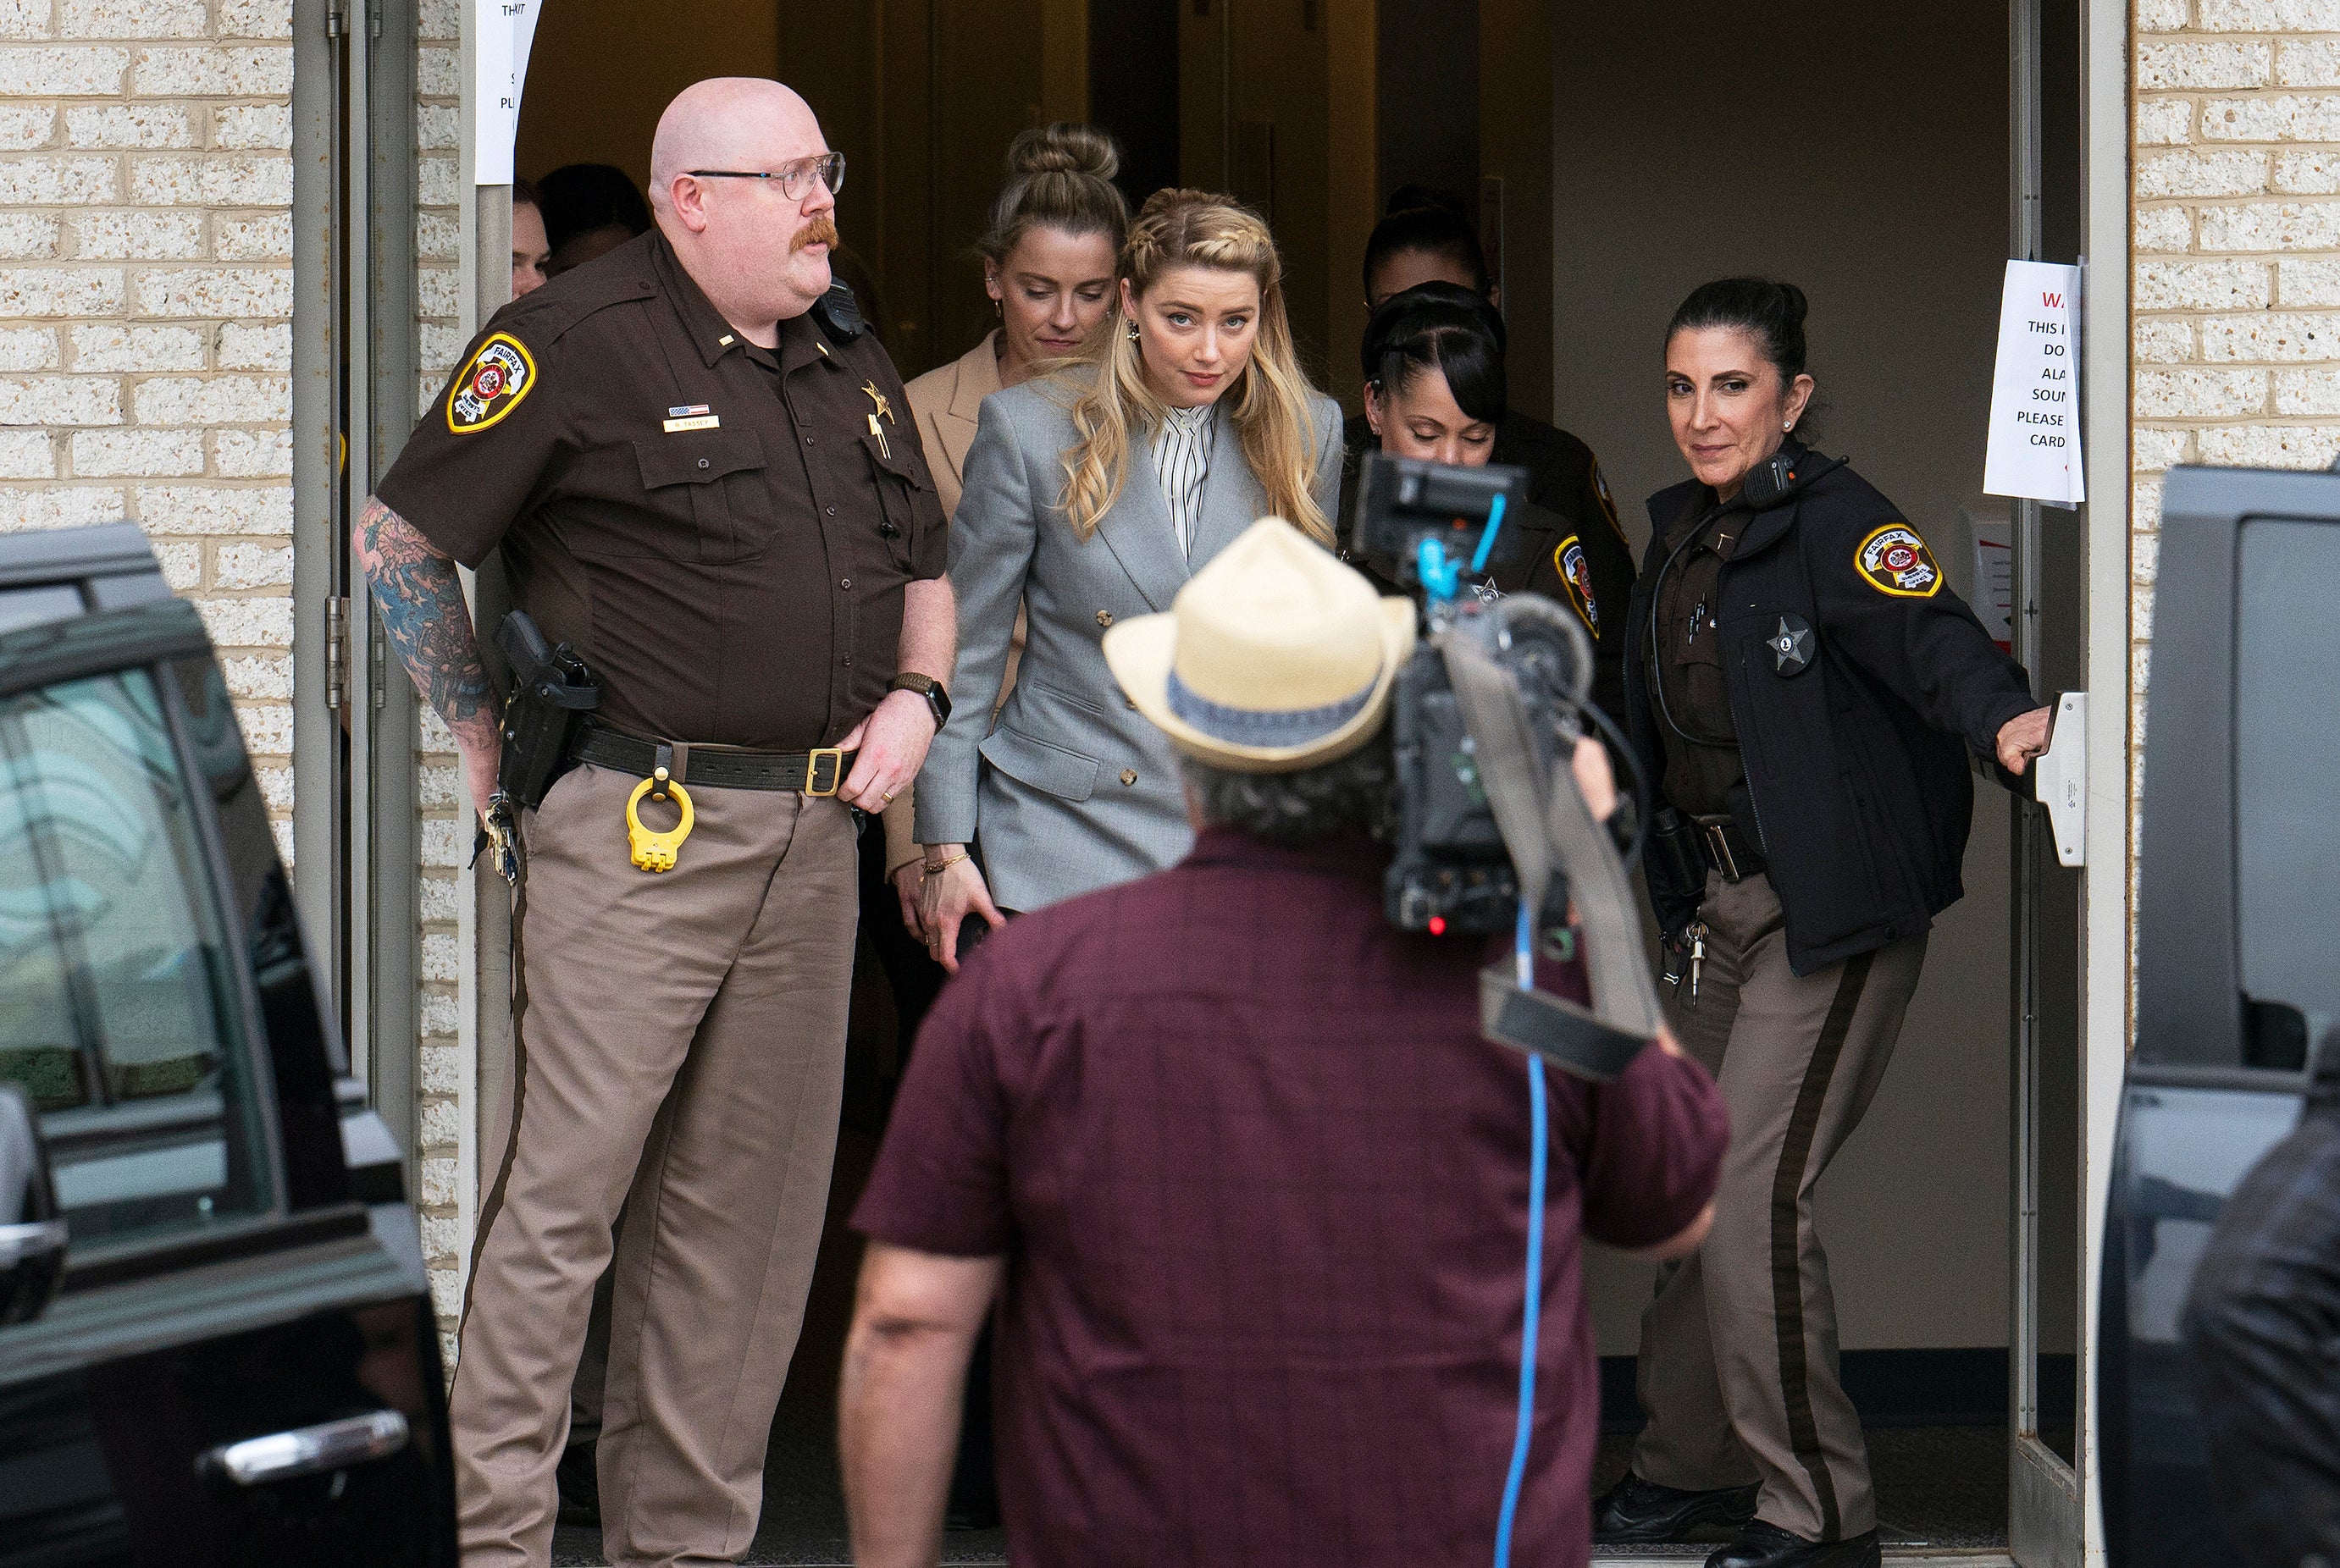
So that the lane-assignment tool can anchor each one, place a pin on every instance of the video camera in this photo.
(1434, 529)
(1485, 717)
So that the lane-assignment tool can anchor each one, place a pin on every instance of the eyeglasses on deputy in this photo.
(796, 180)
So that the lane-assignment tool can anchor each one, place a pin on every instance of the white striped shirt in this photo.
(1181, 461)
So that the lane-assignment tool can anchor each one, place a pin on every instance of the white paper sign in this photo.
(503, 31)
(2035, 403)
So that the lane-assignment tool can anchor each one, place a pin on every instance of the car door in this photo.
(242, 1365)
(2238, 950)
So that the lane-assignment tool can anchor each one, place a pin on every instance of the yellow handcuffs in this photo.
(653, 850)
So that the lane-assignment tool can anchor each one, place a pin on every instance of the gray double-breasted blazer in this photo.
(1071, 789)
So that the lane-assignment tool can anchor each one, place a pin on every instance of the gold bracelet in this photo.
(939, 870)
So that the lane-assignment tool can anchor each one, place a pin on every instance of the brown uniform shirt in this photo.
(714, 525)
(1688, 653)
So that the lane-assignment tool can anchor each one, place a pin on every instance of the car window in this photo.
(118, 1011)
(31, 607)
(2286, 776)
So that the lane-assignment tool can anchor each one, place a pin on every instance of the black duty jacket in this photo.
(1855, 732)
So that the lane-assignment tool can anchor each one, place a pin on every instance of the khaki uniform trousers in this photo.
(1737, 1366)
(679, 1048)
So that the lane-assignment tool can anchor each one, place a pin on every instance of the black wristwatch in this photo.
(926, 687)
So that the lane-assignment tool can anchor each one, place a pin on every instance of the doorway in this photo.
(1889, 172)
(1615, 159)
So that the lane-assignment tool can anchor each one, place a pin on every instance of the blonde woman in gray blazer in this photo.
(1092, 496)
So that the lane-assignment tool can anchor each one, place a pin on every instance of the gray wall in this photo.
(1861, 154)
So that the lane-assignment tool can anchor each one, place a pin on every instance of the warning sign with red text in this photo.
(2034, 398)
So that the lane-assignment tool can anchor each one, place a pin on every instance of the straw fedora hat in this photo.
(1273, 657)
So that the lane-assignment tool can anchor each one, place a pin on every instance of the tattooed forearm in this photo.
(425, 618)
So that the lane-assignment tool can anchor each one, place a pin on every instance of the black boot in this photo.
(580, 1480)
(1763, 1546)
(1635, 1510)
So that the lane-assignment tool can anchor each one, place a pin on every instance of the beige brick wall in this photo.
(445, 836)
(145, 307)
(2235, 271)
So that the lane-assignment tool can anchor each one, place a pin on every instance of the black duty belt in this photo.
(812, 772)
(1726, 848)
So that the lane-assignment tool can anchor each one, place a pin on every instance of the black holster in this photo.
(1676, 866)
(552, 690)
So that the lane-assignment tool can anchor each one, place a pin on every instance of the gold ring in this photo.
(888, 794)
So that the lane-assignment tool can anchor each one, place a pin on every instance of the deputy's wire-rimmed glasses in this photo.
(795, 180)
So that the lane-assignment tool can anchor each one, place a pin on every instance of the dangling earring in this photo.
(1132, 332)
(999, 309)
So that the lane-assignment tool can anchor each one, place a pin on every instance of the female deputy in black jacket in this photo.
(1808, 691)
(1436, 389)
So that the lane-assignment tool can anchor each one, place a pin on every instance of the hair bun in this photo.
(1424, 198)
(1064, 148)
(1796, 306)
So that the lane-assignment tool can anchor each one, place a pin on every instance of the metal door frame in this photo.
(2105, 954)
(2053, 1515)
(356, 839)
(2043, 1503)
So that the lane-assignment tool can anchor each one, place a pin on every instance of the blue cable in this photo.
(1487, 539)
(1538, 1156)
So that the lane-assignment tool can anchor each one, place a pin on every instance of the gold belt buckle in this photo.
(835, 757)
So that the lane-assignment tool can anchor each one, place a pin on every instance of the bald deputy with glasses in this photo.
(704, 478)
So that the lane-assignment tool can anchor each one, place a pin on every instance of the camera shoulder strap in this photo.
(1548, 829)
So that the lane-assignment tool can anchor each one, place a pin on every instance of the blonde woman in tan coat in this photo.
(1049, 258)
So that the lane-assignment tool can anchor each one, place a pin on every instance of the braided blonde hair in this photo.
(1195, 228)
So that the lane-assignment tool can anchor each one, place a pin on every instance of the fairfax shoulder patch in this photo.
(1576, 572)
(1895, 561)
(491, 384)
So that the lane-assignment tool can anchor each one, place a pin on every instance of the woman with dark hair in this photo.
(530, 249)
(1436, 389)
(589, 210)
(1427, 238)
(1811, 694)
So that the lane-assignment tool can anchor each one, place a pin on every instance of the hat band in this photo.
(1265, 726)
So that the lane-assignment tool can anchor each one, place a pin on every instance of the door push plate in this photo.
(2060, 777)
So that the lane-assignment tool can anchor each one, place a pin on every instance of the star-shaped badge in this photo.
(883, 405)
(1790, 645)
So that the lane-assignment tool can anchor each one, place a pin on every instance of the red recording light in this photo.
(1438, 926)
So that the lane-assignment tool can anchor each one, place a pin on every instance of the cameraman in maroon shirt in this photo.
(1249, 1188)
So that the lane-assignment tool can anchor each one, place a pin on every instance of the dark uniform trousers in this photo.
(1738, 1364)
(680, 1048)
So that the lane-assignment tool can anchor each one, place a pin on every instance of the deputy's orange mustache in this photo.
(819, 232)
